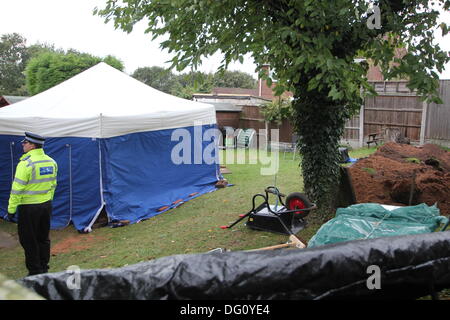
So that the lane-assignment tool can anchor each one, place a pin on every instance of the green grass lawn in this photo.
(191, 228)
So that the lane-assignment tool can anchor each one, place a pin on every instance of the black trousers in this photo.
(34, 229)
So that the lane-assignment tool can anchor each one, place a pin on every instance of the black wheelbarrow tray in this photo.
(283, 217)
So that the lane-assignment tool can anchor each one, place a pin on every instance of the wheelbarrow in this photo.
(283, 217)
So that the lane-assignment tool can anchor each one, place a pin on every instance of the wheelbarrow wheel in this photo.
(297, 200)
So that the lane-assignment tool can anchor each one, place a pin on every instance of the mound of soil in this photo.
(402, 174)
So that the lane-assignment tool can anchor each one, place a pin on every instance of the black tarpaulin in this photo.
(410, 267)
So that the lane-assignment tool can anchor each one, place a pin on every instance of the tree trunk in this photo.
(319, 124)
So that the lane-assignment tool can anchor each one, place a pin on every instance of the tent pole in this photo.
(12, 161)
(70, 182)
(89, 227)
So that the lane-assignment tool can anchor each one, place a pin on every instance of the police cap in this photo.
(34, 138)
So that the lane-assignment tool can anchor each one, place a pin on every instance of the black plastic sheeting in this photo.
(411, 266)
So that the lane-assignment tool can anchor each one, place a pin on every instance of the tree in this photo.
(156, 77)
(311, 47)
(39, 48)
(193, 82)
(186, 84)
(277, 110)
(51, 68)
(13, 56)
(113, 62)
(233, 79)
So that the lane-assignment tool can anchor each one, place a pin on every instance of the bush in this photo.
(51, 68)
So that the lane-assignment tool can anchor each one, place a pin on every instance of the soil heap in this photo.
(402, 174)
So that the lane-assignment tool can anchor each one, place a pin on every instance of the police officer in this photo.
(31, 195)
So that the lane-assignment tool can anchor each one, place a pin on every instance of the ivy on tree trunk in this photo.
(319, 123)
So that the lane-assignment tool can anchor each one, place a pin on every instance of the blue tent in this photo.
(119, 144)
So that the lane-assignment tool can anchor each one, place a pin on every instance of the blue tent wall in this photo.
(139, 176)
(83, 184)
(77, 197)
(10, 152)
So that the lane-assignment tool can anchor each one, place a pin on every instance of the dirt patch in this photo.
(401, 174)
(76, 243)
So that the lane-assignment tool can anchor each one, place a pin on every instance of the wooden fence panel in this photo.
(229, 119)
(251, 117)
(404, 112)
(395, 106)
(286, 131)
(438, 115)
(251, 112)
(351, 131)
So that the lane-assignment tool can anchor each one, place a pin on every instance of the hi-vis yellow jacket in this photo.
(35, 180)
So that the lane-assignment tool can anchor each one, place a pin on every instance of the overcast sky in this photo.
(71, 24)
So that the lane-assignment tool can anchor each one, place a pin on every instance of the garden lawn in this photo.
(191, 228)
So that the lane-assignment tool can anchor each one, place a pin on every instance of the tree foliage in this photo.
(39, 48)
(186, 84)
(113, 62)
(277, 110)
(13, 57)
(318, 38)
(156, 77)
(233, 79)
(311, 47)
(51, 68)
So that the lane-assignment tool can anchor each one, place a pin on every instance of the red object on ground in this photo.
(296, 203)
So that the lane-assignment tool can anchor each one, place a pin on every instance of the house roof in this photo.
(226, 107)
(11, 99)
(235, 91)
(227, 96)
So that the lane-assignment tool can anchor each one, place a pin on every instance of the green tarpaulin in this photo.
(372, 220)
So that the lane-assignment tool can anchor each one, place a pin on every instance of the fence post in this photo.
(423, 123)
(361, 125)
